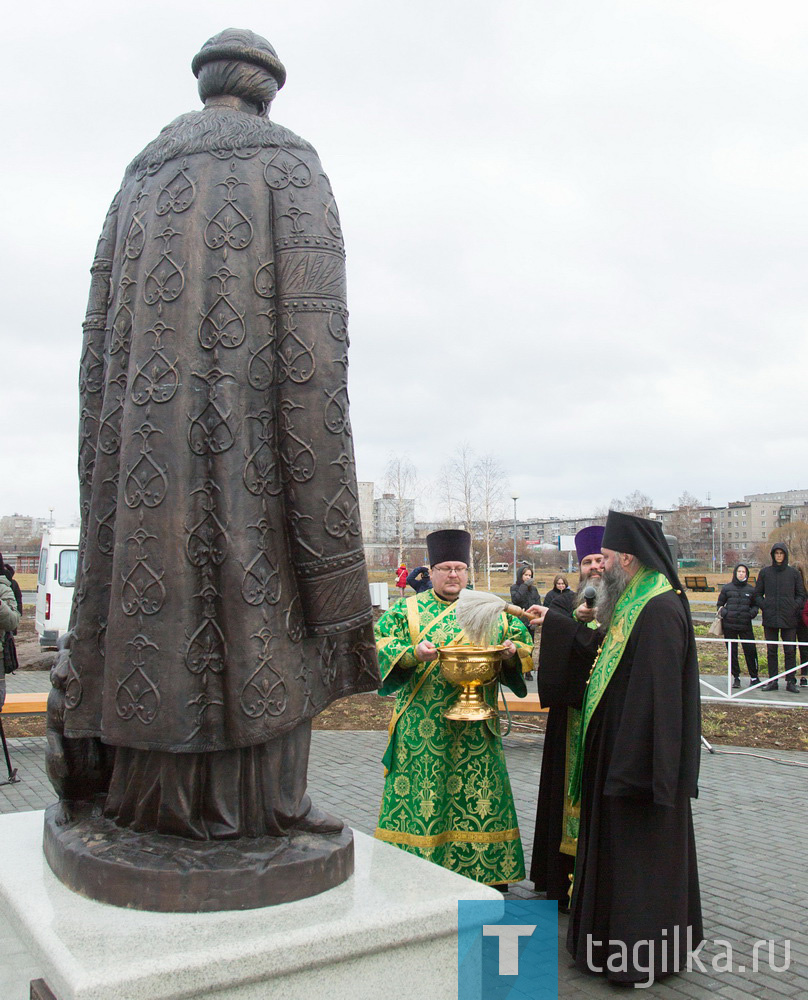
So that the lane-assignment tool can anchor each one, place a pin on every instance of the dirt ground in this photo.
(737, 725)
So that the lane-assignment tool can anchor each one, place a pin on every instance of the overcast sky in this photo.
(577, 232)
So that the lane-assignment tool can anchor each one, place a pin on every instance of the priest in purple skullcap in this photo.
(635, 907)
(588, 542)
(561, 692)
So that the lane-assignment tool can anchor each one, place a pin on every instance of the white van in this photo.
(56, 581)
(500, 567)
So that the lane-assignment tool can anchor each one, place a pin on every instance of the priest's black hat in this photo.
(448, 545)
(643, 538)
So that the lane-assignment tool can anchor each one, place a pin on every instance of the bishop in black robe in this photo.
(635, 907)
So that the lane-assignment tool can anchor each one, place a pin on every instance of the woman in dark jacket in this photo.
(737, 606)
(781, 595)
(561, 596)
(524, 595)
(523, 592)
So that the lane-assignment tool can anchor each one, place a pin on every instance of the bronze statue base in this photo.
(147, 871)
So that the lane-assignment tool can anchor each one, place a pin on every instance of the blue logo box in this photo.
(507, 949)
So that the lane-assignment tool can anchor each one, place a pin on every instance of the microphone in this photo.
(589, 596)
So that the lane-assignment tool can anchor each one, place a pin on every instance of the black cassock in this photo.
(564, 666)
(636, 903)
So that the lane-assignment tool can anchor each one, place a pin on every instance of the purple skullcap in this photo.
(588, 541)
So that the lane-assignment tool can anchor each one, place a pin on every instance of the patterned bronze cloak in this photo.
(222, 595)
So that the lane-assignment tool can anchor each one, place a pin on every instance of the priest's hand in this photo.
(510, 649)
(537, 613)
(426, 651)
(584, 614)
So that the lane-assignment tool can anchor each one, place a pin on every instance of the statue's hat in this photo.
(243, 45)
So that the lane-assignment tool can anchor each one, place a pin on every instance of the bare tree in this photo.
(460, 477)
(491, 481)
(795, 536)
(638, 503)
(445, 490)
(401, 480)
(686, 524)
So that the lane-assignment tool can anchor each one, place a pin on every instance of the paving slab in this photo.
(748, 818)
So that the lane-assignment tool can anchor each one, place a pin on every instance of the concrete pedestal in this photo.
(391, 929)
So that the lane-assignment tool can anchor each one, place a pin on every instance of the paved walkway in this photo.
(28, 681)
(750, 823)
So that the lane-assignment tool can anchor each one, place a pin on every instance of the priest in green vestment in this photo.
(447, 796)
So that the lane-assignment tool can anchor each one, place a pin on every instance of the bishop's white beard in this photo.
(614, 582)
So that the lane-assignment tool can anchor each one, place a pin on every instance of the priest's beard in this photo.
(594, 581)
(614, 582)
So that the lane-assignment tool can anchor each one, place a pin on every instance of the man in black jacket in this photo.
(737, 606)
(779, 591)
(419, 579)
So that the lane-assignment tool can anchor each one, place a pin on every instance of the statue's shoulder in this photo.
(222, 133)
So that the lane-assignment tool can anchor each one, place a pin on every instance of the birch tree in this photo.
(460, 482)
(474, 492)
(491, 479)
(401, 480)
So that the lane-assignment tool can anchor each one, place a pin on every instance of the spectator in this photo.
(737, 606)
(802, 632)
(419, 580)
(9, 620)
(7, 646)
(523, 591)
(524, 595)
(561, 596)
(8, 572)
(781, 595)
(401, 580)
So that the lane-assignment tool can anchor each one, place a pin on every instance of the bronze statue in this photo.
(222, 596)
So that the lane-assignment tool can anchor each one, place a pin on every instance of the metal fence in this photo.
(741, 695)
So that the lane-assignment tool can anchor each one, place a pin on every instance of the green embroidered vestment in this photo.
(447, 796)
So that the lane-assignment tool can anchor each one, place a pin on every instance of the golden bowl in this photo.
(470, 668)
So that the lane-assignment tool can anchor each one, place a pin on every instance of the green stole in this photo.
(644, 585)
(571, 818)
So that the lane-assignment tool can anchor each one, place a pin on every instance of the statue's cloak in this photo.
(222, 594)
